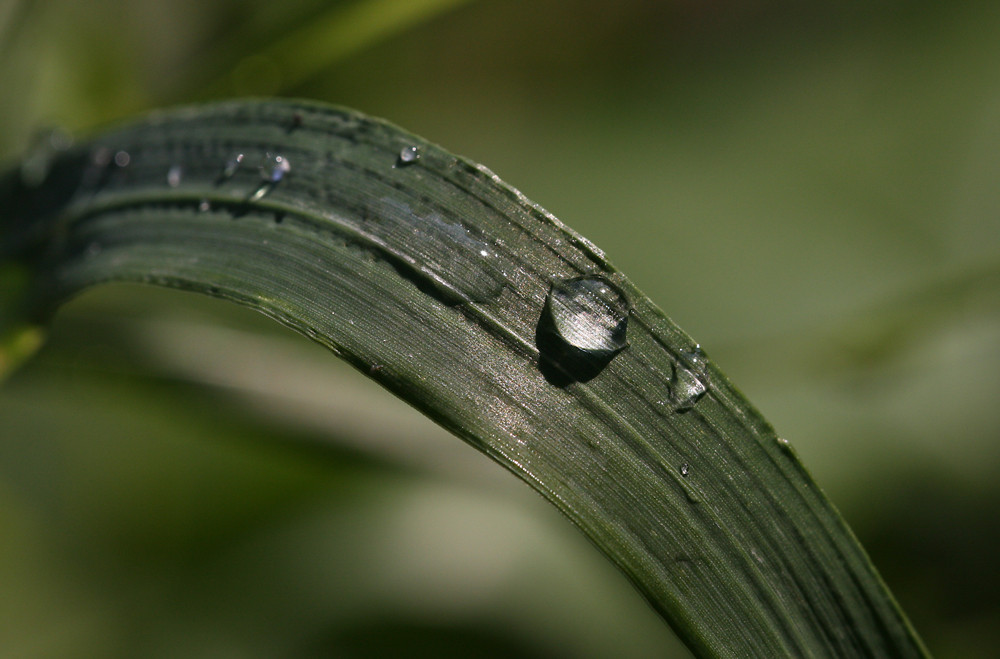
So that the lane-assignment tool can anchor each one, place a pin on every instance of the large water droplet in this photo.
(582, 327)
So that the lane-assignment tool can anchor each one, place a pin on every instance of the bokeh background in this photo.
(812, 190)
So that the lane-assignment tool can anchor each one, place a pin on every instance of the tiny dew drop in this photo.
(231, 167)
(685, 389)
(581, 329)
(273, 170)
(174, 176)
(122, 159)
(685, 469)
(696, 358)
(274, 167)
(204, 206)
(409, 155)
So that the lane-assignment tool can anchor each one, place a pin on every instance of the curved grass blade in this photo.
(451, 289)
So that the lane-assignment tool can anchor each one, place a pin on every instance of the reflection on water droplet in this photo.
(122, 159)
(174, 176)
(685, 469)
(409, 155)
(582, 327)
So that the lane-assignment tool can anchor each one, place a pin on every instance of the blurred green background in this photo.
(812, 190)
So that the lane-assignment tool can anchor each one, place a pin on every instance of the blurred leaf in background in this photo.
(811, 190)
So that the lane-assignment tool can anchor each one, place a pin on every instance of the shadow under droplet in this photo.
(562, 364)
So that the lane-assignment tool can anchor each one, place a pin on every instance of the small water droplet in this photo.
(122, 159)
(174, 176)
(273, 170)
(685, 469)
(696, 358)
(408, 156)
(274, 167)
(685, 389)
(785, 446)
(204, 206)
(582, 326)
(230, 168)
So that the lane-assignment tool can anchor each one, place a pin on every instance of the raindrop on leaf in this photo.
(582, 328)
(174, 176)
(409, 155)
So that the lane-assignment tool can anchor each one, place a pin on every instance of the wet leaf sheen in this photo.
(446, 285)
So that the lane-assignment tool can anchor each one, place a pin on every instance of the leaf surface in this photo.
(446, 285)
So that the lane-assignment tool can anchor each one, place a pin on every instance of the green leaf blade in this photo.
(431, 276)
